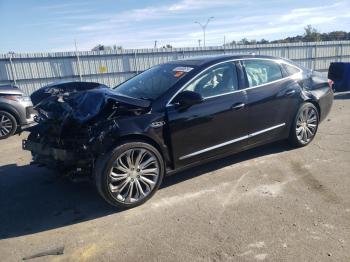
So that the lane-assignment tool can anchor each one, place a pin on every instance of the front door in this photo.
(216, 125)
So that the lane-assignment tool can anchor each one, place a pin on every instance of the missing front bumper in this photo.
(42, 150)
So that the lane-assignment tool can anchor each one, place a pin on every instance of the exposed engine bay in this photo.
(76, 125)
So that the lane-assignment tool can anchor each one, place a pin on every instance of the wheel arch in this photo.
(146, 139)
(316, 105)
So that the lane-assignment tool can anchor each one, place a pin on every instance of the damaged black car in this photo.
(173, 116)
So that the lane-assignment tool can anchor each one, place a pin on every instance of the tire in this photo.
(305, 125)
(129, 185)
(8, 125)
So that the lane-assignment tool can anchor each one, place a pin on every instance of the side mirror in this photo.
(188, 98)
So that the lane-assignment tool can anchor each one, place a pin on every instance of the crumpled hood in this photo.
(62, 88)
(82, 106)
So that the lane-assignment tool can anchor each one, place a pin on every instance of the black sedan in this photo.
(171, 117)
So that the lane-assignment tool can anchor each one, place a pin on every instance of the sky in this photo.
(54, 25)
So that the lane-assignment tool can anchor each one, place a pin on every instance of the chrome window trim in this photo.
(231, 141)
(232, 92)
(279, 61)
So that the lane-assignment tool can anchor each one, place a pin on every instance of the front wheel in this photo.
(8, 125)
(305, 125)
(129, 175)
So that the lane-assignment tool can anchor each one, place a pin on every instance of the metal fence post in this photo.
(135, 63)
(288, 54)
(13, 71)
(78, 60)
(341, 52)
(315, 58)
(79, 68)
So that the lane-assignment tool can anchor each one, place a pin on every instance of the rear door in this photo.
(272, 99)
(216, 125)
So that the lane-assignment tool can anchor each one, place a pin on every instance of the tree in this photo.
(233, 42)
(337, 35)
(168, 46)
(244, 41)
(311, 34)
(263, 41)
(252, 42)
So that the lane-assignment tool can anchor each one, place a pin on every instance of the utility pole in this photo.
(13, 71)
(204, 27)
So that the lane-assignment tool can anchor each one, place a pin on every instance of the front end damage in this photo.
(75, 128)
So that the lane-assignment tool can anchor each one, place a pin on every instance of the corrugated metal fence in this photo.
(32, 71)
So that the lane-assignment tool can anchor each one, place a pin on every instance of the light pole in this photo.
(204, 27)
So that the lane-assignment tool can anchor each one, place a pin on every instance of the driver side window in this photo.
(218, 80)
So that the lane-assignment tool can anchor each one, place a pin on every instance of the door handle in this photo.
(238, 106)
(290, 93)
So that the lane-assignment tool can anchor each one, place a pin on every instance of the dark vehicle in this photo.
(174, 116)
(339, 76)
(16, 111)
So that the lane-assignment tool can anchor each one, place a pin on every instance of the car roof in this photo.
(207, 60)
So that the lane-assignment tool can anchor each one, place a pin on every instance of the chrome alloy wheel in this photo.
(6, 125)
(134, 175)
(306, 126)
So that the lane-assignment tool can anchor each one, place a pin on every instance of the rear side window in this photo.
(291, 70)
(261, 72)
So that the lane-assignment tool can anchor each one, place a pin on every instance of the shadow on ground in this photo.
(33, 199)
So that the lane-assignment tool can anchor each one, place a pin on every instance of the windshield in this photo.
(152, 83)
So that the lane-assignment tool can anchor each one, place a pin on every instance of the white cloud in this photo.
(174, 23)
(187, 5)
(156, 13)
(319, 11)
(63, 6)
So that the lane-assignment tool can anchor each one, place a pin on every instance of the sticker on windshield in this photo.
(181, 70)
(179, 74)
(184, 69)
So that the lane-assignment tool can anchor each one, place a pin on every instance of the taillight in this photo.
(330, 83)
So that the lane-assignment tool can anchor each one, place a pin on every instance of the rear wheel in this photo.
(8, 124)
(305, 125)
(130, 174)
